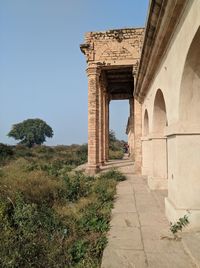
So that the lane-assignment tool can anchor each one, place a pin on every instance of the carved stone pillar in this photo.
(131, 129)
(101, 125)
(93, 73)
(106, 126)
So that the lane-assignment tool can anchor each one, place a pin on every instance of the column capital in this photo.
(93, 69)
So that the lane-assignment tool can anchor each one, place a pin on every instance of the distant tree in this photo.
(31, 132)
(114, 143)
(112, 136)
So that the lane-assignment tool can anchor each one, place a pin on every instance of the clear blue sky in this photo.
(42, 70)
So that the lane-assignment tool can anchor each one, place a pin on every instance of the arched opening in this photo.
(118, 138)
(159, 114)
(190, 85)
(146, 124)
(146, 157)
(158, 177)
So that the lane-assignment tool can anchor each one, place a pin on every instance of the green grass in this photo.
(50, 215)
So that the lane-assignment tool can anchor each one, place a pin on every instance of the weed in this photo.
(179, 225)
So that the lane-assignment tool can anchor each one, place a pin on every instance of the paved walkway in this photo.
(137, 225)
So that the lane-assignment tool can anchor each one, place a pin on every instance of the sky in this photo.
(42, 70)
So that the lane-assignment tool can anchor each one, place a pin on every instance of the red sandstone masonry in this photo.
(112, 49)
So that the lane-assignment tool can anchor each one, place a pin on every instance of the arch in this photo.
(159, 113)
(189, 108)
(146, 123)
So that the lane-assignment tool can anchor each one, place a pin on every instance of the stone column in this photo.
(106, 127)
(101, 126)
(93, 73)
(157, 173)
(146, 156)
(137, 137)
(131, 129)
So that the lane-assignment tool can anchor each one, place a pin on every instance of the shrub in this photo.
(42, 149)
(76, 186)
(22, 151)
(116, 154)
(78, 250)
(93, 219)
(6, 151)
(113, 174)
(105, 190)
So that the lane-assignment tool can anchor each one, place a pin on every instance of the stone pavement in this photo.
(137, 225)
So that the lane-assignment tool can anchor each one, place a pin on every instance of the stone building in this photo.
(164, 94)
(112, 57)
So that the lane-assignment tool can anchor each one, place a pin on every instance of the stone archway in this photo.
(158, 175)
(159, 114)
(190, 85)
(184, 146)
(146, 152)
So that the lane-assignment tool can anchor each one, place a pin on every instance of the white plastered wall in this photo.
(182, 195)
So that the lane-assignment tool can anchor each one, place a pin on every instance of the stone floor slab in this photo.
(153, 242)
(117, 258)
(153, 217)
(166, 260)
(191, 243)
(126, 206)
(124, 219)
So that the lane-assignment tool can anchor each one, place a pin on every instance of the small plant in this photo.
(179, 225)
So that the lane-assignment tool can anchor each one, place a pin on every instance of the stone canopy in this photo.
(112, 62)
(117, 53)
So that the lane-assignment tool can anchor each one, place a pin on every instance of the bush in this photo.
(6, 152)
(76, 186)
(22, 151)
(117, 154)
(113, 174)
(93, 219)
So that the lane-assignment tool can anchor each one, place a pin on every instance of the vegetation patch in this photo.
(50, 215)
(115, 146)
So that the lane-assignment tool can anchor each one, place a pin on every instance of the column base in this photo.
(173, 214)
(145, 171)
(156, 183)
(92, 169)
(137, 168)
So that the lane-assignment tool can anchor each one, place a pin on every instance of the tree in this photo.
(114, 143)
(31, 132)
(112, 136)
